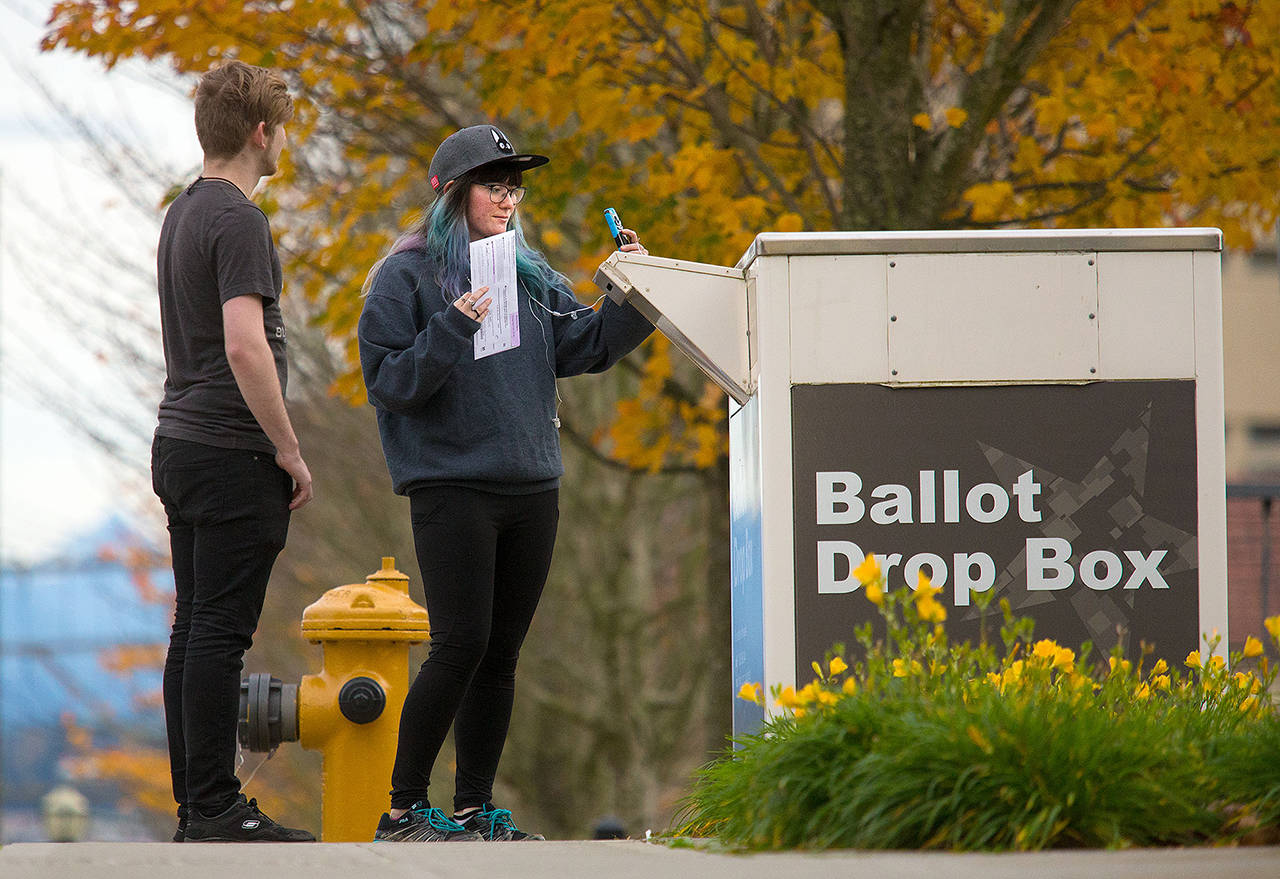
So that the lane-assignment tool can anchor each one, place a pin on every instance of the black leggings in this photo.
(484, 560)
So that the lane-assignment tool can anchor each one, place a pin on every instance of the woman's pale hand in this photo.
(634, 245)
(475, 304)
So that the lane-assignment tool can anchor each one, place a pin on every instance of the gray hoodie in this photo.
(447, 418)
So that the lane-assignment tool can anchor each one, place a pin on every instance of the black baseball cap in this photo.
(472, 147)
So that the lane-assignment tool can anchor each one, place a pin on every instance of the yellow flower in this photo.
(904, 667)
(838, 666)
(1142, 692)
(922, 120)
(1243, 680)
(826, 697)
(931, 611)
(1064, 659)
(1252, 647)
(1216, 663)
(956, 116)
(1012, 674)
(817, 669)
(1249, 703)
(809, 693)
(750, 693)
(875, 593)
(788, 699)
(1192, 660)
(925, 590)
(850, 686)
(1122, 664)
(1272, 625)
(867, 571)
(1160, 682)
(1160, 667)
(1046, 648)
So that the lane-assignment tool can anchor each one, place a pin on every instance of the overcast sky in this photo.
(54, 481)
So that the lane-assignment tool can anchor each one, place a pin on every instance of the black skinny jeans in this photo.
(484, 560)
(228, 512)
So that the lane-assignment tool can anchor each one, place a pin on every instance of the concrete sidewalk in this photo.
(604, 860)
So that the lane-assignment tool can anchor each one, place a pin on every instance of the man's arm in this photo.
(254, 369)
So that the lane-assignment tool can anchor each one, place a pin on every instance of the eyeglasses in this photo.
(499, 192)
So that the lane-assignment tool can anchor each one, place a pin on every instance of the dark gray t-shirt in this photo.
(215, 245)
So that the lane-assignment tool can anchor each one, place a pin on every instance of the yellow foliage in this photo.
(705, 123)
(125, 659)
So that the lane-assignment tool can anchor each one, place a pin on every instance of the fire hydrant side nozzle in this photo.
(350, 709)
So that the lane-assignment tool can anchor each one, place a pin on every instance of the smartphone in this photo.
(615, 226)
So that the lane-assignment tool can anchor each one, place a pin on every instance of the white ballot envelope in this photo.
(493, 264)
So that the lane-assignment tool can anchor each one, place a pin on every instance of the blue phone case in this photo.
(615, 226)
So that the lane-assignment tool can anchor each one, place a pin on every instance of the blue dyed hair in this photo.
(444, 236)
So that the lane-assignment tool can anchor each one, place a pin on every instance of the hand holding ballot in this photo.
(475, 304)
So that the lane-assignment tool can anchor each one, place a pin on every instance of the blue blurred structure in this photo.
(59, 620)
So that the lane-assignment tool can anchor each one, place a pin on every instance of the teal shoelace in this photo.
(499, 819)
(440, 821)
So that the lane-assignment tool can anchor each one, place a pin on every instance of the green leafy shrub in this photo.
(924, 744)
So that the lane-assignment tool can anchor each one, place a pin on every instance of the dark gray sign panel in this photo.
(1075, 502)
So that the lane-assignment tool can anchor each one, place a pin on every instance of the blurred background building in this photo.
(1251, 338)
(82, 638)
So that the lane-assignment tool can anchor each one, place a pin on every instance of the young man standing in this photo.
(225, 461)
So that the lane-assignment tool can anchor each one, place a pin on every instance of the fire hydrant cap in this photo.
(378, 609)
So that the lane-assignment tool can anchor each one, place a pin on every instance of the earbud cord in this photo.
(554, 379)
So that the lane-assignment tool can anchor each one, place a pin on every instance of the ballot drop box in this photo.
(1037, 414)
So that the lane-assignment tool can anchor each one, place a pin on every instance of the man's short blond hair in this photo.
(230, 102)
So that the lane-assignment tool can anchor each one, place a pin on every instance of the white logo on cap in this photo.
(501, 140)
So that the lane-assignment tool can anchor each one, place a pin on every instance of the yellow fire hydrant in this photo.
(350, 711)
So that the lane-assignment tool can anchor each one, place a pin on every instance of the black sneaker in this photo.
(241, 822)
(422, 824)
(496, 825)
(181, 833)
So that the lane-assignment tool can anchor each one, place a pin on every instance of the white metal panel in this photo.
(992, 317)
(701, 308)
(753, 328)
(1146, 316)
(1211, 451)
(838, 319)
(777, 526)
(981, 241)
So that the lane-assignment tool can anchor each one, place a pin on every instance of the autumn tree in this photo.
(706, 122)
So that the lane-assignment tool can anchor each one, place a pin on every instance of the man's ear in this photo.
(259, 136)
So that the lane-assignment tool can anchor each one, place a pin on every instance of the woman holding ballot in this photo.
(468, 420)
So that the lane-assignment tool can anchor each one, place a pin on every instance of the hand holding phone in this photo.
(615, 227)
(626, 239)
